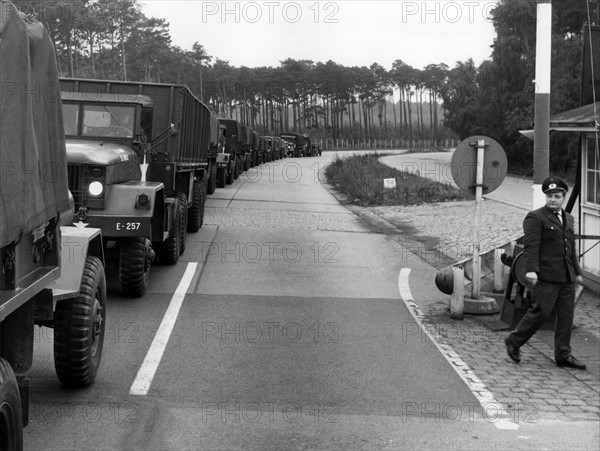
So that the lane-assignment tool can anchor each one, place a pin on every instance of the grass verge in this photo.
(360, 177)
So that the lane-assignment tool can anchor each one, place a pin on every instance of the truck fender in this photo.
(76, 244)
(124, 199)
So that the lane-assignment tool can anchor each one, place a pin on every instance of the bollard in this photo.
(457, 300)
(498, 271)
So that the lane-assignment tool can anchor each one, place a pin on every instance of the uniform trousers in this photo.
(545, 297)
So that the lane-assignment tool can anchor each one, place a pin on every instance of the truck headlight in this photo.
(95, 188)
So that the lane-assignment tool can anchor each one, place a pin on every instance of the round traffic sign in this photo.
(464, 165)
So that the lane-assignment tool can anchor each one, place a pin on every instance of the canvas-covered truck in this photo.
(138, 167)
(51, 275)
(254, 147)
(214, 148)
(299, 143)
(230, 160)
(247, 146)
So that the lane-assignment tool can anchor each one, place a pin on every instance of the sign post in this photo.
(478, 167)
(476, 283)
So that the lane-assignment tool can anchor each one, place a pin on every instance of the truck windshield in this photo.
(108, 121)
(71, 118)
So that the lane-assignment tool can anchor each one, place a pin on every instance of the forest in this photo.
(113, 39)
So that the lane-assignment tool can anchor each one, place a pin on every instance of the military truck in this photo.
(138, 167)
(274, 147)
(231, 159)
(254, 147)
(214, 148)
(299, 142)
(51, 275)
(247, 146)
(261, 150)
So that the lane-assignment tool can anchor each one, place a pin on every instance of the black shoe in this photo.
(571, 362)
(512, 351)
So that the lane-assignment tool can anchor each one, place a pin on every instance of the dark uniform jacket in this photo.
(550, 246)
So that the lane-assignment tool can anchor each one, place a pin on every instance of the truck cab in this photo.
(107, 138)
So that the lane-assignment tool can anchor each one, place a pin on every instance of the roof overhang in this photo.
(585, 119)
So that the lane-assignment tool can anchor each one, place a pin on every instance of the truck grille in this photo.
(75, 174)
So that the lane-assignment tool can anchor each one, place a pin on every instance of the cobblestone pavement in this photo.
(279, 219)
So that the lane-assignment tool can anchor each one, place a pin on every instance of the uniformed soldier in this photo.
(552, 272)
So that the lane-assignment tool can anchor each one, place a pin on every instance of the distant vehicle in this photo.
(300, 145)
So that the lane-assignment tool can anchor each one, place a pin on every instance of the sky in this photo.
(348, 32)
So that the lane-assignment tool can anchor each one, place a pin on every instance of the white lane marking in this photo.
(484, 396)
(145, 374)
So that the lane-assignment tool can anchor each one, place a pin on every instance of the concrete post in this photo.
(457, 300)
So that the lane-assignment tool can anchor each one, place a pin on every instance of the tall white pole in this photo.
(476, 282)
(543, 59)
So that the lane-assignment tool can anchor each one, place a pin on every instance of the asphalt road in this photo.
(281, 327)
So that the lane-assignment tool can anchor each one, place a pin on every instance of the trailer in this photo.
(138, 168)
(52, 270)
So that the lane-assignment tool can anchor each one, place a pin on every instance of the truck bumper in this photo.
(119, 226)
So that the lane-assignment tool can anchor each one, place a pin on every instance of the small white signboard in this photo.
(389, 183)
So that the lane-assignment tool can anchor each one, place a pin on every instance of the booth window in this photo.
(593, 172)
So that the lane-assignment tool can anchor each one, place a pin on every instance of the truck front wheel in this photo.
(212, 179)
(169, 250)
(11, 414)
(231, 174)
(134, 266)
(221, 177)
(79, 325)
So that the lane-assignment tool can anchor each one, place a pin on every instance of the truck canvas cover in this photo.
(33, 185)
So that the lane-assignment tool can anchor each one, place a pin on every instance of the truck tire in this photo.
(79, 325)
(231, 174)
(134, 266)
(11, 414)
(212, 179)
(183, 221)
(221, 177)
(168, 250)
(196, 211)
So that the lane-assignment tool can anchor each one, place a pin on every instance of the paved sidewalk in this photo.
(536, 389)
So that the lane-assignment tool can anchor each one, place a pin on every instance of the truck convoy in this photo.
(138, 158)
(52, 275)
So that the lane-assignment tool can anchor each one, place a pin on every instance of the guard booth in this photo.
(585, 120)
